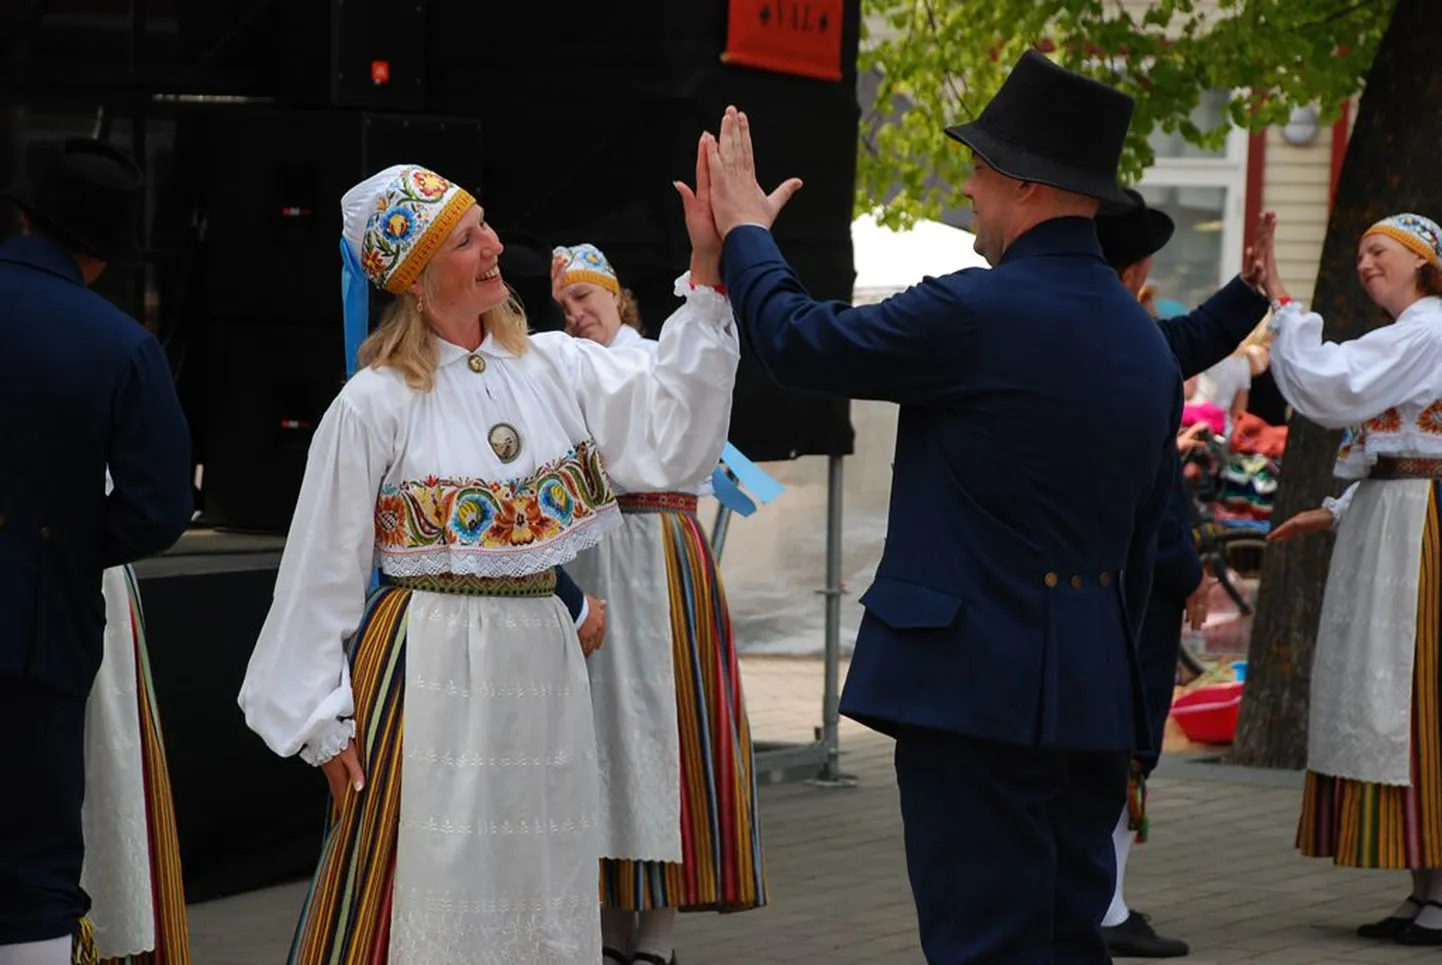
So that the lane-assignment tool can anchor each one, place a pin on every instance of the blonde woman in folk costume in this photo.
(1373, 796)
(466, 459)
(678, 795)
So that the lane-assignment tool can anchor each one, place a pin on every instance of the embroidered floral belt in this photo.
(532, 584)
(657, 503)
(1406, 468)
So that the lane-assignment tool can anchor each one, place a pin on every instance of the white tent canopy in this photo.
(890, 261)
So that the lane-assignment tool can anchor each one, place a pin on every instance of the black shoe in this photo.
(1415, 934)
(610, 956)
(649, 959)
(1134, 938)
(1389, 927)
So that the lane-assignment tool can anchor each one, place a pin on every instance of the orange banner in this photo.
(789, 36)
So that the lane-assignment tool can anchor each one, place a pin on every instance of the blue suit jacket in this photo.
(1199, 340)
(82, 386)
(1035, 454)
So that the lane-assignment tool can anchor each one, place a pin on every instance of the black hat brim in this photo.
(124, 253)
(1019, 164)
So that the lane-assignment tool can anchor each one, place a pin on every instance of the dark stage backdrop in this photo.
(571, 121)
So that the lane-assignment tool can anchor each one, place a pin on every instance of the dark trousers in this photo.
(1009, 849)
(42, 845)
(1158, 648)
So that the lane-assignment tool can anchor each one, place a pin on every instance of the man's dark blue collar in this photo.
(44, 254)
(1059, 236)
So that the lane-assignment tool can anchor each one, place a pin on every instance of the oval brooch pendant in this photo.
(505, 441)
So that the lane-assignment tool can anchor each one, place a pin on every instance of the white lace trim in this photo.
(460, 560)
(331, 743)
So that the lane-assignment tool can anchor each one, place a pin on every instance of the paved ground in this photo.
(1219, 870)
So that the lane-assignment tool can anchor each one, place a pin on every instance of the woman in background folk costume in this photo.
(1373, 794)
(678, 796)
(132, 856)
(466, 458)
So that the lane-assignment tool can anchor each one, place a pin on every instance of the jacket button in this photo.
(1076, 583)
(45, 532)
(1050, 579)
(1105, 579)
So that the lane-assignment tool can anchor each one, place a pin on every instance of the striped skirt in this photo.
(474, 837)
(172, 934)
(1364, 825)
(722, 867)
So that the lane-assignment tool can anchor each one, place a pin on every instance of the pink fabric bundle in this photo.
(1208, 412)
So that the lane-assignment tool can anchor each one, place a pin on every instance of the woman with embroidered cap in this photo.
(1373, 795)
(678, 796)
(466, 459)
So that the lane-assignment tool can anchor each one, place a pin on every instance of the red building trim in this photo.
(1256, 174)
(1341, 133)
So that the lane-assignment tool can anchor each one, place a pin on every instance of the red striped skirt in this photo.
(722, 868)
(1364, 825)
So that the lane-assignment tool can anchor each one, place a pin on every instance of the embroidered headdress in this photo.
(585, 262)
(1419, 235)
(395, 220)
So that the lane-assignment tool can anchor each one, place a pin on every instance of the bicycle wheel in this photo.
(1192, 662)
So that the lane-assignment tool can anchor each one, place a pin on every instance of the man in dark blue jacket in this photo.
(83, 388)
(1199, 341)
(998, 644)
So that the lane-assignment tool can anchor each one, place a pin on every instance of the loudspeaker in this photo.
(260, 191)
(602, 171)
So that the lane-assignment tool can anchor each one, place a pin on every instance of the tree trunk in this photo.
(1391, 165)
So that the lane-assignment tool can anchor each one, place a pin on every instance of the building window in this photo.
(1204, 191)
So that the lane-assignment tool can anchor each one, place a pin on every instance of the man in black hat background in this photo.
(83, 388)
(1034, 458)
(1198, 340)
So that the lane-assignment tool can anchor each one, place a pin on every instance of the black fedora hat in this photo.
(525, 264)
(1129, 237)
(88, 197)
(1051, 126)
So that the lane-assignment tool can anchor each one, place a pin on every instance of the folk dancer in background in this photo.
(1179, 588)
(132, 856)
(466, 458)
(678, 794)
(1373, 797)
(998, 645)
(82, 387)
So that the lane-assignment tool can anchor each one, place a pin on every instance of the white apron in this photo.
(1360, 725)
(633, 693)
(116, 872)
(499, 751)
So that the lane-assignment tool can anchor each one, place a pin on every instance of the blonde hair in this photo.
(406, 342)
(629, 311)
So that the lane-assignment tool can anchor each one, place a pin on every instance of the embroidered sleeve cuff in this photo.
(711, 302)
(328, 744)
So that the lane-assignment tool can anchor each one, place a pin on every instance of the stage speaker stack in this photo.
(263, 188)
(589, 114)
(596, 123)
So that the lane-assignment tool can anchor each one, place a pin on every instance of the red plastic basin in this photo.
(1208, 715)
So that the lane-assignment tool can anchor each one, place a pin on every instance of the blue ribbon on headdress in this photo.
(355, 315)
(748, 474)
(355, 303)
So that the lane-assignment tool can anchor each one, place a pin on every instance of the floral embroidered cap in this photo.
(585, 262)
(1420, 235)
(395, 220)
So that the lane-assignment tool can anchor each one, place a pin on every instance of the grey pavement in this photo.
(1219, 871)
